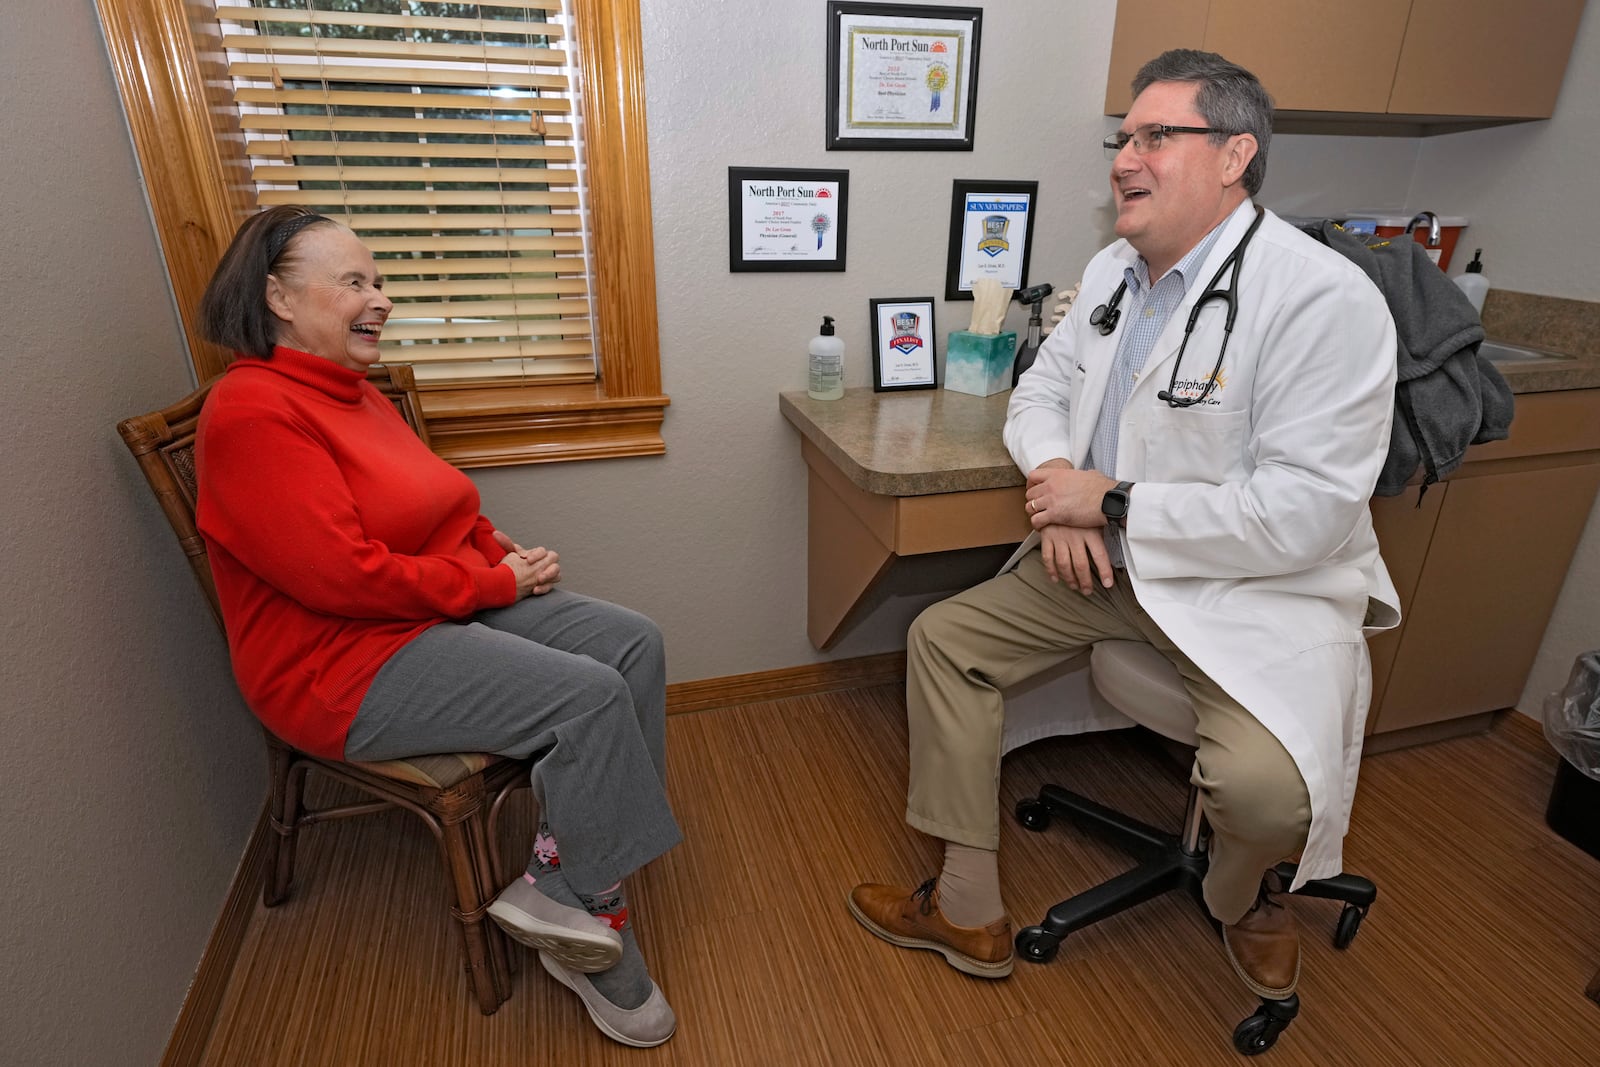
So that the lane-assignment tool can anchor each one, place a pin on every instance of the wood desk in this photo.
(897, 474)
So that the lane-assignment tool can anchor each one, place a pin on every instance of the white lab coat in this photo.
(1248, 539)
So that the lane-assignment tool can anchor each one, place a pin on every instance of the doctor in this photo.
(1213, 504)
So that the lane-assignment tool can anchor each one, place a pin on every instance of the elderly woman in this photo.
(373, 613)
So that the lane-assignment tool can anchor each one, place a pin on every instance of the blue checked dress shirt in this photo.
(1148, 309)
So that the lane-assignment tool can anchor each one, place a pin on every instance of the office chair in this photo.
(458, 796)
(1138, 681)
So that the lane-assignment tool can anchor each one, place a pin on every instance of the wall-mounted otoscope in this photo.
(1035, 295)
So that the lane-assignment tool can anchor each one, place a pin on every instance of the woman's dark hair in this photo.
(233, 311)
(1231, 100)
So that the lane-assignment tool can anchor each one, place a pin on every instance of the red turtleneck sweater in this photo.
(335, 537)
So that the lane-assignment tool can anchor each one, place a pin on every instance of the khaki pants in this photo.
(963, 651)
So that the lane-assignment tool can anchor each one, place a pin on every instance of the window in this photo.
(452, 137)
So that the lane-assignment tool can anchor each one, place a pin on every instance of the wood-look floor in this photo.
(1486, 930)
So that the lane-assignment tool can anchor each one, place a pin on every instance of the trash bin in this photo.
(1572, 725)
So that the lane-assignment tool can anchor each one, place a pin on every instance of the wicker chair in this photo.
(459, 797)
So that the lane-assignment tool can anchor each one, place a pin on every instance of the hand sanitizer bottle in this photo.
(827, 364)
(1474, 282)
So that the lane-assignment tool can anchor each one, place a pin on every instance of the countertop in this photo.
(1551, 375)
(1551, 324)
(883, 444)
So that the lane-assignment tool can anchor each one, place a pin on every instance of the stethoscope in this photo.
(1106, 316)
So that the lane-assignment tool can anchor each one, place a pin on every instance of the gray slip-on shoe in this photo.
(571, 935)
(646, 1026)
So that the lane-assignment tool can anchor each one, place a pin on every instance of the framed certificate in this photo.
(782, 219)
(991, 235)
(902, 344)
(902, 75)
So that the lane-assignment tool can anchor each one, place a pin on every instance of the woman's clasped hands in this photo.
(537, 569)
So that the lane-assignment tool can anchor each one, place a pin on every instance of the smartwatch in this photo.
(1114, 505)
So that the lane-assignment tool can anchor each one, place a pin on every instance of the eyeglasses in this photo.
(1147, 138)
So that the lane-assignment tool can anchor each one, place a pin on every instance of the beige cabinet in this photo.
(1426, 59)
(1480, 565)
(1472, 58)
(1405, 527)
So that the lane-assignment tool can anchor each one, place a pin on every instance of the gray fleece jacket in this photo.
(1447, 396)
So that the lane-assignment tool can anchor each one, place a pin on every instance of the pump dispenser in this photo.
(1474, 282)
(827, 364)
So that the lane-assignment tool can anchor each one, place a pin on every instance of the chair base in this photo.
(1168, 862)
(463, 820)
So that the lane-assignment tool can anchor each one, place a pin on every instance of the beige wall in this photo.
(113, 721)
(130, 770)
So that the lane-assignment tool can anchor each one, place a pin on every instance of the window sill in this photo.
(509, 425)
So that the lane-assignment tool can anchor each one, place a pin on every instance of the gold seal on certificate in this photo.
(937, 79)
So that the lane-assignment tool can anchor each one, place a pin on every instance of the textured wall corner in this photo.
(131, 767)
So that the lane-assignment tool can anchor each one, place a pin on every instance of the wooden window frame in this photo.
(169, 64)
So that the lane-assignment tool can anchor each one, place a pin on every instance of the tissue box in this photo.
(979, 363)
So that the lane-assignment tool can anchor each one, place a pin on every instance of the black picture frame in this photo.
(910, 137)
(896, 375)
(960, 190)
(779, 257)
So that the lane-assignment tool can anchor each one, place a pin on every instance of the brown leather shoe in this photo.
(1264, 945)
(911, 918)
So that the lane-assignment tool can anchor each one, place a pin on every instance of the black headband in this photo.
(285, 233)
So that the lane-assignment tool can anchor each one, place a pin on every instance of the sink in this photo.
(1495, 352)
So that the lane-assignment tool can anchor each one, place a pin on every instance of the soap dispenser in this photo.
(1474, 282)
(827, 364)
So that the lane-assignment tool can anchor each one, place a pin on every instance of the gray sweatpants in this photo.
(577, 683)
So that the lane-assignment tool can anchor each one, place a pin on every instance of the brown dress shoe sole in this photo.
(959, 960)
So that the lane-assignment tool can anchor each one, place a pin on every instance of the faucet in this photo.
(1433, 226)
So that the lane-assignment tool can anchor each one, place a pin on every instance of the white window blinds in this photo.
(447, 136)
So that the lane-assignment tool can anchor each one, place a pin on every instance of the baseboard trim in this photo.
(1428, 733)
(855, 673)
(187, 1045)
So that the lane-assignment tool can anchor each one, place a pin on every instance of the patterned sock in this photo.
(546, 856)
(627, 984)
(610, 905)
(544, 870)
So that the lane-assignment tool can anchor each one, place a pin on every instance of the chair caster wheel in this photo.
(1033, 815)
(1349, 925)
(1260, 1031)
(1037, 946)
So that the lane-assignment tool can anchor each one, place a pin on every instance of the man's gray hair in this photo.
(1231, 99)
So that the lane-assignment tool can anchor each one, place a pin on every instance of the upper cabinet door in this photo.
(1145, 29)
(1451, 60)
(1484, 57)
(1313, 55)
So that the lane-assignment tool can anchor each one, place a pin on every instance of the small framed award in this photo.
(780, 219)
(991, 235)
(902, 344)
(902, 75)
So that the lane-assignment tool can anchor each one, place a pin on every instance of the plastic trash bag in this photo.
(1572, 716)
